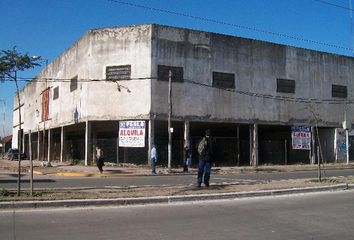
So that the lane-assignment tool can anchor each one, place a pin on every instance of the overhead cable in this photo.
(240, 92)
(206, 19)
(334, 5)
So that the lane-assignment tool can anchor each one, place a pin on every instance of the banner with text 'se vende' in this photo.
(132, 134)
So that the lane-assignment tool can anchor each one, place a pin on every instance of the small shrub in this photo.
(37, 194)
(4, 193)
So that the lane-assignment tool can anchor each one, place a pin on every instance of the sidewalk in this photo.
(112, 169)
(66, 169)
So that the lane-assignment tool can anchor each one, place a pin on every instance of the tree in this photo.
(311, 108)
(11, 61)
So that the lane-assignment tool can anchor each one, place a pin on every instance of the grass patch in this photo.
(334, 180)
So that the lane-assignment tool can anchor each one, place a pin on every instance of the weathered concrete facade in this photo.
(256, 66)
(250, 105)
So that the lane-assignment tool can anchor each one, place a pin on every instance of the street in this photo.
(158, 180)
(310, 216)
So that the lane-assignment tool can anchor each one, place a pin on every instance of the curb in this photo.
(85, 174)
(38, 173)
(162, 173)
(106, 174)
(168, 199)
(81, 174)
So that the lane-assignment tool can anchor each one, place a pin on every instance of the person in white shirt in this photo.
(99, 159)
(153, 159)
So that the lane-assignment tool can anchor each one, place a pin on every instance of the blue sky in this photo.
(48, 27)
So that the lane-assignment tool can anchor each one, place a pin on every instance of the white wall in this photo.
(94, 100)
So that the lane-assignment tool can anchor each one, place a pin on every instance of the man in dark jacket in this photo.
(205, 151)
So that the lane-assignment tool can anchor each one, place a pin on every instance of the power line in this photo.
(206, 19)
(333, 5)
(240, 92)
(275, 97)
(44, 80)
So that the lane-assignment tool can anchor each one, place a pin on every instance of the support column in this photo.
(38, 145)
(49, 153)
(87, 142)
(251, 144)
(286, 152)
(151, 137)
(186, 134)
(255, 145)
(23, 142)
(238, 146)
(43, 143)
(117, 143)
(94, 145)
(347, 144)
(62, 143)
(313, 146)
(30, 144)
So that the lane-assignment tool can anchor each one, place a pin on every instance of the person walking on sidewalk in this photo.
(153, 159)
(187, 159)
(205, 151)
(99, 159)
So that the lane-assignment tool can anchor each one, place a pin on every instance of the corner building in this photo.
(248, 92)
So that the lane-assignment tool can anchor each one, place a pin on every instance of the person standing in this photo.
(205, 151)
(187, 159)
(99, 159)
(153, 159)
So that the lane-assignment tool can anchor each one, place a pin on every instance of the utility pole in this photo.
(3, 127)
(45, 96)
(31, 162)
(19, 136)
(169, 118)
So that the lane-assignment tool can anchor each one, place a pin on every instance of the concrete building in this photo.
(249, 93)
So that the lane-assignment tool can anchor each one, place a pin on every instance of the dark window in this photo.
(223, 80)
(285, 85)
(339, 91)
(115, 73)
(177, 73)
(73, 84)
(56, 93)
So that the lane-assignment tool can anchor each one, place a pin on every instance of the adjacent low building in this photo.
(249, 93)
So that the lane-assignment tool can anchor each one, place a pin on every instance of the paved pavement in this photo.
(112, 170)
(305, 216)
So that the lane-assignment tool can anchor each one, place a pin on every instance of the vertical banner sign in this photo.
(132, 134)
(301, 137)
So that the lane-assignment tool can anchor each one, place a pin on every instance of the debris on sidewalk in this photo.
(46, 164)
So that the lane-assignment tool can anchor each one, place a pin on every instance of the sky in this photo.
(47, 28)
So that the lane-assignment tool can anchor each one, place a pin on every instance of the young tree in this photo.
(11, 61)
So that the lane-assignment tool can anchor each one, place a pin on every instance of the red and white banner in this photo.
(132, 134)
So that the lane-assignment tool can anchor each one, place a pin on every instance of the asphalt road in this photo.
(8, 182)
(311, 216)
